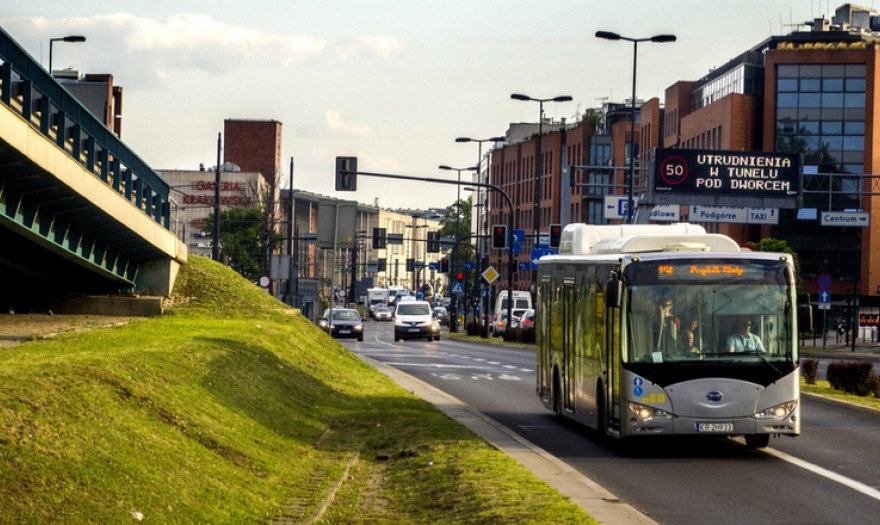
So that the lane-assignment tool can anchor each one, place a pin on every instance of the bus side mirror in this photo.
(805, 317)
(613, 291)
(804, 313)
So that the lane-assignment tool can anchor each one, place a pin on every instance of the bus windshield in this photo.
(693, 310)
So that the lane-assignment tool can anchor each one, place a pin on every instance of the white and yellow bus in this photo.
(650, 330)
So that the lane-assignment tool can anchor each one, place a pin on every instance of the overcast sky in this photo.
(391, 82)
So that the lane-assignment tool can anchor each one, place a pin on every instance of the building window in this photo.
(820, 113)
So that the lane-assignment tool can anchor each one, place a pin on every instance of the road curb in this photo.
(581, 490)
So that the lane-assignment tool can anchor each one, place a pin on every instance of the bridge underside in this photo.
(63, 232)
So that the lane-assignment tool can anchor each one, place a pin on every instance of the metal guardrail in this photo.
(30, 91)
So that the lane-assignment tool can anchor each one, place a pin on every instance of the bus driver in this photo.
(744, 340)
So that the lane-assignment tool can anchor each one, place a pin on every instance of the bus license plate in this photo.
(714, 427)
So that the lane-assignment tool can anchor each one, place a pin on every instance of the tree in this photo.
(244, 239)
(777, 246)
(455, 224)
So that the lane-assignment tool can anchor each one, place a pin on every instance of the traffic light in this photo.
(346, 173)
(383, 265)
(460, 276)
(433, 242)
(410, 265)
(555, 235)
(379, 240)
(444, 265)
(499, 236)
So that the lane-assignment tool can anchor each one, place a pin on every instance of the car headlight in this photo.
(322, 323)
(645, 413)
(358, 327)
(779, 412)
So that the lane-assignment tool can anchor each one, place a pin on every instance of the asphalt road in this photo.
(827, 475)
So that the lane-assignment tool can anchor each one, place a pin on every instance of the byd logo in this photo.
(714, 396)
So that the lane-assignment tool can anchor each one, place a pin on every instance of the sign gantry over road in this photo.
(715, 177)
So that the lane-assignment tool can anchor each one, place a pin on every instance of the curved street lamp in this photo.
(659, 39)
(484, 326)
(454, 324)
(70, 38)
(536, 219)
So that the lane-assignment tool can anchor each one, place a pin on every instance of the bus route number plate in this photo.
(714, 427)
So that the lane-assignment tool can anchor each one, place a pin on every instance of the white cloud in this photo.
(380, 46)
(337, 126)
(180, 43)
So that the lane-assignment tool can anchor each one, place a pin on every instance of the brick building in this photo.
(810, 92)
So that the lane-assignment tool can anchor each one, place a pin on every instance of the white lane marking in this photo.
(833, 476)
(436, 365)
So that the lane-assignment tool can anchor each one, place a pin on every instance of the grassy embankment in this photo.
(231, 410)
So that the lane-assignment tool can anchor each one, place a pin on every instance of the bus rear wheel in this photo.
(757, 440)
(557, 394)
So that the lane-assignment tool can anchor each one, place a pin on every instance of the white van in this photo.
(522, 300)
(412, 319)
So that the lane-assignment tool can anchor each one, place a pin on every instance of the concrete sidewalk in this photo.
(581, 490)
(830, 349)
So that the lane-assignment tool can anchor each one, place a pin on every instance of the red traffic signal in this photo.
(499, 236)
(460, 276)
(555, 235)
(444, 265)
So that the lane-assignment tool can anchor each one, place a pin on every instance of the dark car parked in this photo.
(347, 323)
(525, 328)
(441, 315)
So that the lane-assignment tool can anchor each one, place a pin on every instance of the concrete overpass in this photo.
(80, 213)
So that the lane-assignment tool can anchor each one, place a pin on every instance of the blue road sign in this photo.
(457, 288)
(824, 297)
(469, 265)
(824, 281)
(519, 235)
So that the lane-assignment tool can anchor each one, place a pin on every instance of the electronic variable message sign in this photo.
(687, 176)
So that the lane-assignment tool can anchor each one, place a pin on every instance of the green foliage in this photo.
(245, 239)
(457, 226)
(852, 377)
(593, 117)
(777, 246)
(236, 410)
(810, 368)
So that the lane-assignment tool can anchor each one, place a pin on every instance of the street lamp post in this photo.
(71, 38)
(539, 165)
(453, 325)
(415, 249)
(607, 35)
(484, 308)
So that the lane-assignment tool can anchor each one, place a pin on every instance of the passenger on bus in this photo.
(667, 326)
(744, 340)
(688, 346)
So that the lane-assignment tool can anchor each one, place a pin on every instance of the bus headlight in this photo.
(779, 412)
(645, 413)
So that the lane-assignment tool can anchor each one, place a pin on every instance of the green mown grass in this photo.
(231, 409)
(823, 388)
